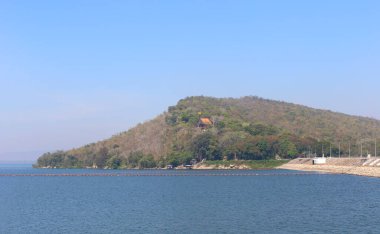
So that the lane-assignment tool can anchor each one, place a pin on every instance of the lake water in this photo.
(272, 201)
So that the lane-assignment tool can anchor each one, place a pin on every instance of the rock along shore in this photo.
(353, 166)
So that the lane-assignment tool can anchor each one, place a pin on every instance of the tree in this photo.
(229, 145)
(115, 162)
(147, 161)
(264, 148)
(205, 146)
(134, 159)
(287, 148)
(101, 157)
(260, 129)
(71, 162)
(179, 158)
(55, 159)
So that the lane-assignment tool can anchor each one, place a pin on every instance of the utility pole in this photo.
(330, 150)
(361, 148)
(375, 147)
(323, 152)
(309, 152)
(349, 150)
(339, 149)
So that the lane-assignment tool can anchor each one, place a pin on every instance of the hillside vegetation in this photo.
(249, 128)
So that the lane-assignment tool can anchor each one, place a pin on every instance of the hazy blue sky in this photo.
(74, 72)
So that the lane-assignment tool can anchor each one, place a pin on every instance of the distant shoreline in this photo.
(206, 165)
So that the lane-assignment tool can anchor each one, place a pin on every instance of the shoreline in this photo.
(209, 165)
(294, 165)
(357, 170)
(180, 168)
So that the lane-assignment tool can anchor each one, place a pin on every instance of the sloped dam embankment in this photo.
(353, 166)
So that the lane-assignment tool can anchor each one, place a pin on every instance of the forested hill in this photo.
(223, 128)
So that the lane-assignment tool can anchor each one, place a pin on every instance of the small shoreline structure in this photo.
(360, 166)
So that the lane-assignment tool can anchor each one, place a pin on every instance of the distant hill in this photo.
(248, 128)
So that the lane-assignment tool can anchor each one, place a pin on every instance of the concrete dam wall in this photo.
(354, 166)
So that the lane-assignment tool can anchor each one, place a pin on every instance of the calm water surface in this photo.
(267, 203)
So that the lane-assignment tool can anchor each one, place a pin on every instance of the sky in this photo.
(79, 71)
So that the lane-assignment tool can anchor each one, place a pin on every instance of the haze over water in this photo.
(267, 203)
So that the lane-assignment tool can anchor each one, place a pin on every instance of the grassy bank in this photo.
(250, 164)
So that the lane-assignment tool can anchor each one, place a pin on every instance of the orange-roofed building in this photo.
(205, 122)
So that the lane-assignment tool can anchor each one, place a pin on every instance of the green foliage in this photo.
(260, 129)
(71, 161)
(248, 128)
(229, 144)
(220, 125)
(51, 159)
(189, 118)
(171, 119)
(134, 159)
(147, 161)
(179, 158)
(287, 149)
(116, 162)
(101, 157)
(59, 159)
(205, 146)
